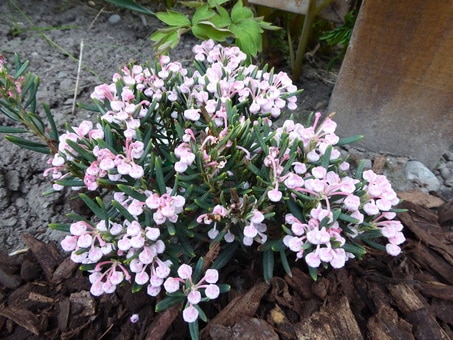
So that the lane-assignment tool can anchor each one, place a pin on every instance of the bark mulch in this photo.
(44, 296)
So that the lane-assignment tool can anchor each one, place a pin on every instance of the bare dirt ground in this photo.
(44, 296)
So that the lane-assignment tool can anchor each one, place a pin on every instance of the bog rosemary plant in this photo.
(186, 160)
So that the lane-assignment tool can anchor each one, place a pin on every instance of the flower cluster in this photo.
(184, 160)
(192, 290)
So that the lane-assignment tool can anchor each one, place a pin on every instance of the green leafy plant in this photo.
(211, 20)
(340, 36)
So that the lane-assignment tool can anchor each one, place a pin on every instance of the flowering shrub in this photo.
(182, 161)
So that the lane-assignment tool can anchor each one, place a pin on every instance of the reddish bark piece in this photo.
(23, 318)
(430, 261)
(386, 325)
(300, 282)
(334, 321)
(46, 253)
(438, 290)
(64, 270)
(446, 214)
(63, 314)
(443, 309)
(253, 329)
(421, 198)
(416, 312)
(162, 322)
(241, 306)
(246, 329)
(424, 224)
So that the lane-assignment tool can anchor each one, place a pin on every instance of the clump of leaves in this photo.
(340, 36)
(212, 20)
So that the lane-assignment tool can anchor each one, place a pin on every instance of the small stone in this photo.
(367, 164)
(449, 156)
(13, 180)
(445, 173)
(114, 19)
(416, 171)
(20, 202)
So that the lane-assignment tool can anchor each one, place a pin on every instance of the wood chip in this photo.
(415, 311)
(23, 318)
(386, 325)
(421, 198)
(9, 280)
(84, 299)
(46, 253)
(334, 321)
(241, 306)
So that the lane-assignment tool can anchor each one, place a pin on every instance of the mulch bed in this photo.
(44, 296)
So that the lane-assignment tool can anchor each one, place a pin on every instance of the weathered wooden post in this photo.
(396, 83)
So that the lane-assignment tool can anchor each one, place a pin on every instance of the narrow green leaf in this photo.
(132, 5)
(83, 153)
(359, 171)
(86, 267)
(32, 94)
(186, 245)
(53, 127)
(19, 72)
(9, 111)
(224, 288)
(36, 121)
(160, 175)
(167, 302)
(197, 270)
(10, 129)
(60, 226)
(253, 168)
(313, 273)
(70, 182)
(355, 249)
(123, 211)
(285, 264)
(268, 265)
(94, 207)
(347, 218)
(225, 256)
(26, 144)
(325, 159)
(349, 140)
(194, 329)
(132, 192)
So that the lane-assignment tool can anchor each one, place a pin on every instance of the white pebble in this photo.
(114, 19)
